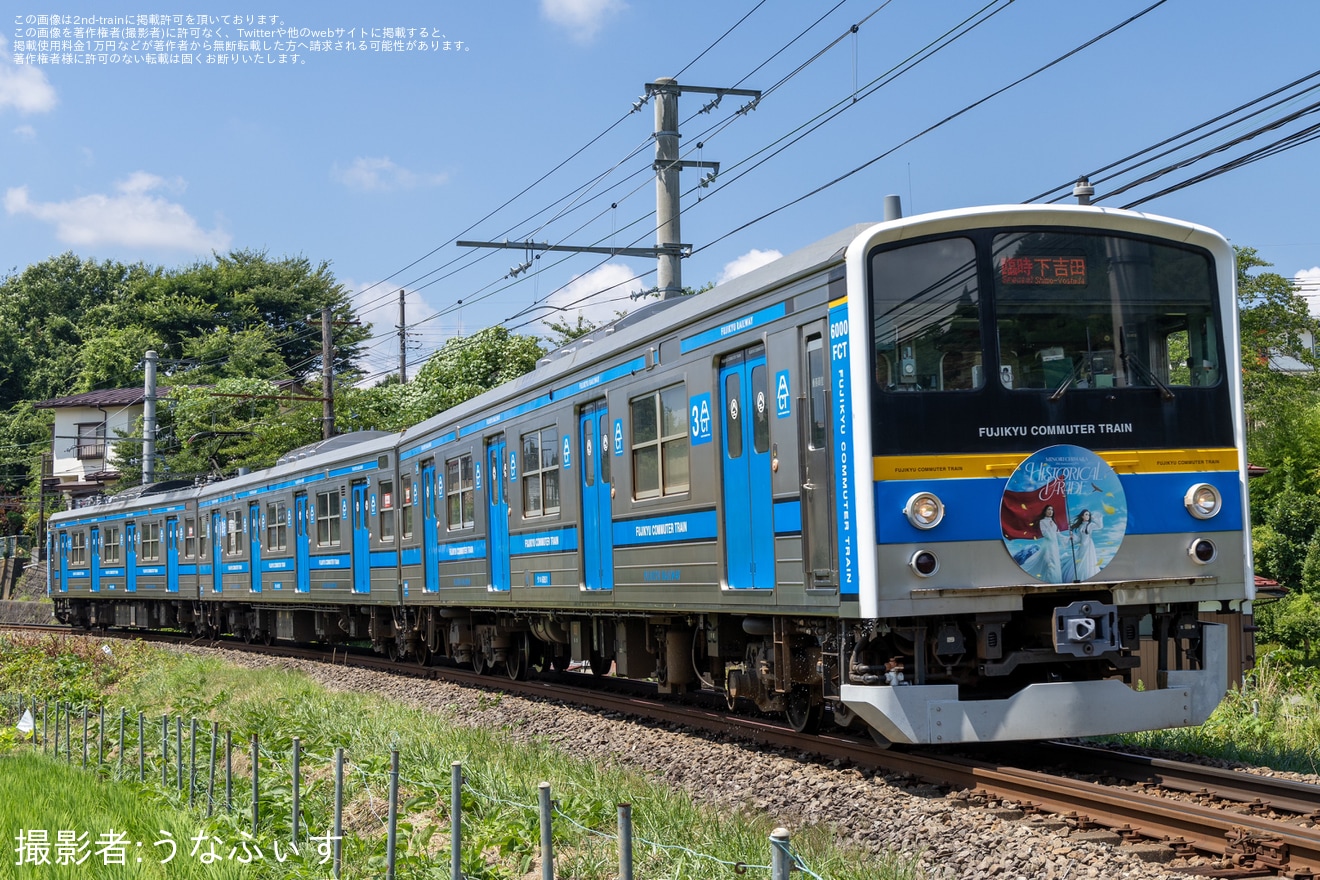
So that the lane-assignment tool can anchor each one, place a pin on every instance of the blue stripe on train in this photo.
(1154, 503)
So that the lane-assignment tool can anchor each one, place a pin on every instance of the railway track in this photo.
(1247, 824)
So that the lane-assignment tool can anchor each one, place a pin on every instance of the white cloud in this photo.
(382, 175)
(753, 259)
(26, 132)
(133, 217)
(1307, 283)
(22, 86)
(583, 18)
(597, 296)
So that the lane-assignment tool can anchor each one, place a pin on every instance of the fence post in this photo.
(391, 835)
(210, 784)
(255, 770)
(57, 730)
(456, 821)
(192, 762)
(100, 739)
(45, 727)
(84, 744)
(547, 836)
(68, 737)
(625, 842)
(178, 750)
(142, 749)
(339, 809)
(297, 780)
(164, 751)
(780, 863)
(229, 772)
(123, 715)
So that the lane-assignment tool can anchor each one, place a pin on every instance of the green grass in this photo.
(1273, 720)
(42, 795)
(500, 819)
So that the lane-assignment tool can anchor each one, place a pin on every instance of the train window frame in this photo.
(233, 532)
(189, 527)
(327, 518)
(203, 536)
(385, 511)
(406, 508)
(539, 450)
(661, 441)
(460, 493)
(277, 525)
(78, 548)
(818, 410)
(111, 545)
(149, 537)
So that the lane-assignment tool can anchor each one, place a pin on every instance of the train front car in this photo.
(1048, 401)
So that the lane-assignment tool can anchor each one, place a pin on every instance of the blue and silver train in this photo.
(948, 476)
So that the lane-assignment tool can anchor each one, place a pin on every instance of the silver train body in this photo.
(943, 476)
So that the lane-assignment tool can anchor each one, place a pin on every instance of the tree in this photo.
(467, 366)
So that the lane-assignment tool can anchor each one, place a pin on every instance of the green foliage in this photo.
(1292, 622)
(1286, 535)
(467, 366)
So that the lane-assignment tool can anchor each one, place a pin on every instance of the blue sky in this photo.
(377, 161)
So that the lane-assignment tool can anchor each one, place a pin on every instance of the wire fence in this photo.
(123, 746)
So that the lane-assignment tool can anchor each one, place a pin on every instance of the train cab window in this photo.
(1087, 310)
(78, 548)
(327, 518)
(150, 541)
(111, 545)
(406, 510)
(277, 526)
(817, 399)
(385, 509)
(927, 308)
(460, 499)
(660, 443)
(540, 472)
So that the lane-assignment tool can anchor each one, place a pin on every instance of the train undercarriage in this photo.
(853, 673)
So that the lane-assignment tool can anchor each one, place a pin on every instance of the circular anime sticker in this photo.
(1063, 514)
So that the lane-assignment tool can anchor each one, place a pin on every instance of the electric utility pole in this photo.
(669, 250)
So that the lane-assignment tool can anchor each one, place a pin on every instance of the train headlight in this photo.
(924, 510)
(1203, 501)
(1203, 551)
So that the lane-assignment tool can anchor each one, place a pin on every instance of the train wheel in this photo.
(515, 659)
(879, 738)
(422, 655)
(802, 713)
(267, 637)
(480, 665)
(600, 665)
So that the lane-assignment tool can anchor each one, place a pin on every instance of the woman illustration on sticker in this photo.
(1051, 566)
(1083, 546)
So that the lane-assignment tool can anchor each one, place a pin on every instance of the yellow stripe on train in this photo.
(1002, 464)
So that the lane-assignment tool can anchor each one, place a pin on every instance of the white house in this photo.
(87, 431)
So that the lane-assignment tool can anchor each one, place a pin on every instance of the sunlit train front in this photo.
(1038, 471)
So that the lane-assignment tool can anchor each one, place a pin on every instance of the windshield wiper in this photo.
(1067, 383)
(1131, 360)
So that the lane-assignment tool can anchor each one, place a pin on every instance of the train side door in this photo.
(815, 463)
(361, 539)
(430, 529)
(130, 557)
(64, 561)
(172, 555)
(218, 526)
(749, 535)
(497, 513)
(94, 547)
(597, 511)
(254, 546)
(301, 555)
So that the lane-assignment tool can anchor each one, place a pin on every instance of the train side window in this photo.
(111, 544)
(760, 410)
(150, 541)
(189, 538)
(733, 416)
(386, 510)
(78, 548)
(406, 511)
(460, 498)
(277, 526)
(327, 518)
(233, 533)
(817, 410)
(660, 443)
(540, 472)
(604, 450)
(203, 536)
